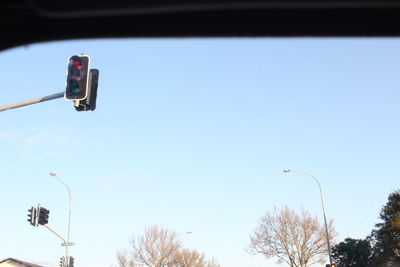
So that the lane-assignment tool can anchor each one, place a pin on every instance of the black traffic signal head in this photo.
(43, 216)
(89, 103)
(62, 261)
(32, 216)
(71, 262)
(77, 78)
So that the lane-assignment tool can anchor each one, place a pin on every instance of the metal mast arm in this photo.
(32, 101)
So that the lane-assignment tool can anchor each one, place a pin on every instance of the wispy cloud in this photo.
(49, 137)
(125, 179)
(58, 154)
(41, 145)
(6, 136)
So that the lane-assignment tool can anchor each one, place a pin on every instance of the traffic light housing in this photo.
(62, 261)
(43, 217)
(89, 103)
(71, 262)
(77, 78)
(32, 216)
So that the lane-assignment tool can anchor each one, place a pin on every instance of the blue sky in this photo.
(192, 135)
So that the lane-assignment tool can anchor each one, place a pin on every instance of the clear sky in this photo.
(192, 135)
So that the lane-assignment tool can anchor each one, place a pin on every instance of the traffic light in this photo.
(62, 262)
(43, 216)
(330, 265)
(71, 262)
(32, 216)
(89, 103)
(77, 78)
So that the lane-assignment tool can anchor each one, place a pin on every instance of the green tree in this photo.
(386, 235)
(352, 252)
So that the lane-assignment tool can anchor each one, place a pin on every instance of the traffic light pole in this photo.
(81, 86)
(54, 232)
(66, 247)
(32, 101)
(69, 215)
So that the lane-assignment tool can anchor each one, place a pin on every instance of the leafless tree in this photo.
(192, 258)
(160, 247)
(298, 240)
(156, 248)
(189, 258)
(124, 260)
(212, 263)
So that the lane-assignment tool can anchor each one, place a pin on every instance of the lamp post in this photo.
(69, 214)
(323, 210)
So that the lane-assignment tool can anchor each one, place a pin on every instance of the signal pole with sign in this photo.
(40, 216)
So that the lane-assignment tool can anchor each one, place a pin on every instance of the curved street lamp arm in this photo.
(323, 209)
(69, 209)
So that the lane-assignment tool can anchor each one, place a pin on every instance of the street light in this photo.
(69, 214)
(185, 233)
(323, 210)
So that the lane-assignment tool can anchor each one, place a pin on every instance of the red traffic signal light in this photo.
(77, 78)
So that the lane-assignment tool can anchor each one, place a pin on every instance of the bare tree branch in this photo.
(297, 240)
(160, 247)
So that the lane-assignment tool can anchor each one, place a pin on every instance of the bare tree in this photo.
(298, 240)
(161, 248)
(156, 248)
(124, 260)
(189, 258)
(192, 258)
(212, 263)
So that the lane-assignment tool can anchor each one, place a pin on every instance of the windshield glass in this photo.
(192, 135)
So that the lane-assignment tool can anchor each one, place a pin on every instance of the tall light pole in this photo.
(323, 210)
(69, 214)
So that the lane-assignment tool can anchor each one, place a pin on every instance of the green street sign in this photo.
(69, 244)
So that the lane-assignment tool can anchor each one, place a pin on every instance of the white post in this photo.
(69, 216)
(323, 210)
